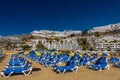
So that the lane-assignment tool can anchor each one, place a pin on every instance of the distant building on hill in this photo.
(49, 33)
(108, 46)
(109, 27)
(11, 39)
(72, 32)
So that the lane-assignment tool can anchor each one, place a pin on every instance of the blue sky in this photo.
(24, 16)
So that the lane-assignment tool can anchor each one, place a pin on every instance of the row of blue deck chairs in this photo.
(72, 62)
(15, 65)
(117, 65)
(100, 64)
(115, 60)
(54, 60)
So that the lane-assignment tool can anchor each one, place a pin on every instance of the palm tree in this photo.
(84, 33)
(52, 34)
(8, 45)
(13, 46)
(97, 34)
(57, 39)
(61, 41)
(115, 30)
(26, 47)
(108, 48)
(83, 42)
(40, 46)
(49, 40)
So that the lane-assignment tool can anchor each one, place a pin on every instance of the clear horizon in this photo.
(24, 16)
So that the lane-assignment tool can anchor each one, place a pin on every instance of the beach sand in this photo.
(46, 73)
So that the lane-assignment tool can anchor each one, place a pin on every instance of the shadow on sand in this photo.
(36, 69)
(2, 59)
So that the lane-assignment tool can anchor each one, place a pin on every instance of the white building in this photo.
(105, 46)
(11, 39)
(109, 27)
(48, 33)
(107, 38)
(69, 32)
(67, 44)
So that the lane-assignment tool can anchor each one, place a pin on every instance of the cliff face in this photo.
(110, 27)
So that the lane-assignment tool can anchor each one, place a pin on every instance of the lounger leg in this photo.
(100, 69)
(24, 73)
(28, 72)
(3, 74)
(64, 71)
(6, 76)
(9, 74)
(59, 71)
(76, 69)
(108, 67)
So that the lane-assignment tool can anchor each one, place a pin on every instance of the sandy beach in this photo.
(41, 72)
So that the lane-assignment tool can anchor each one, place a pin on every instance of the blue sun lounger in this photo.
(113, 60)
(100, 64)
(16, 61)
(70, 66)
(16, 65)
(9, 70)
(83, 61)
(117, 65)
